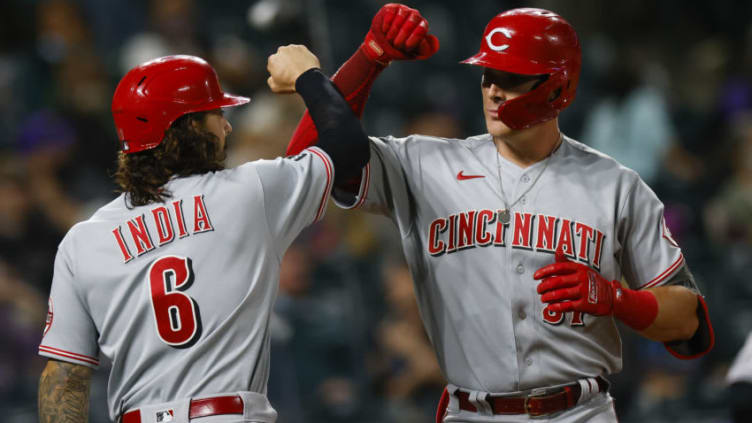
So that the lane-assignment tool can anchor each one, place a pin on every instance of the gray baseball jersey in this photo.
(473, 272)
(177, 295)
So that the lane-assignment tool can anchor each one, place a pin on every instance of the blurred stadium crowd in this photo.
(666, 89)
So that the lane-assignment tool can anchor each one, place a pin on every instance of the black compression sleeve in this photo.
(340, 132)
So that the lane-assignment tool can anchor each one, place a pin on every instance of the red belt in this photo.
(199, 408)
(534, 405)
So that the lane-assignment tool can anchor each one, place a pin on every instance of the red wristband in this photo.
(637, 309)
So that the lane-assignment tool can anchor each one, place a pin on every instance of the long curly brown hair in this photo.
(185, 150)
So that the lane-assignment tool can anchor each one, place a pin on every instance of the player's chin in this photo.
(496, 127)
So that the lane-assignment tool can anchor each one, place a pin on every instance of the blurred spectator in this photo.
(71, 171)
(631, 123)
(727, 216)
(283, 387)
(727, 222)
(695, 159)
(45, 144)
(61, 30)
(413, 381)
(22, 318)
(83, 98)
(173, 29)
(736, 92)
(323, 341)
(28, 234)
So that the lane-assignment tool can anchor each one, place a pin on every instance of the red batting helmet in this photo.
(531, 41)
(151, 96)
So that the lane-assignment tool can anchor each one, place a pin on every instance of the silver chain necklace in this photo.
(505, 215)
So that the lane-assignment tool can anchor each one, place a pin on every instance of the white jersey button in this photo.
(529, 361)
(521, 314)
(525, 178)
(523, 200)
(520, 268)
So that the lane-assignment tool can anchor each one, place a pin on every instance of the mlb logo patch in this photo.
(165, 416)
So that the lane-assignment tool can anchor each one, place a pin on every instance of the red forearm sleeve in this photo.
(354, 80)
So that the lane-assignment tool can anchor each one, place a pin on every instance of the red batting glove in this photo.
(570, 286)
(399, 32)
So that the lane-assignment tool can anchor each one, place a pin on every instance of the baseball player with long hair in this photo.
(517, 239)
(173, 281)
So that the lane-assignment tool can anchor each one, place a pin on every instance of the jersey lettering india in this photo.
(162, 219)
(473, 273)
(177, 295)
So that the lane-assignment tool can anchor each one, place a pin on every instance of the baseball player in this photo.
(517, 239)
(173, 281)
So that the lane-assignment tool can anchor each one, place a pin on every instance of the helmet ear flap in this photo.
(538, 105)
(558, 93)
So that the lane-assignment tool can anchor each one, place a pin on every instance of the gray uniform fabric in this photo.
(177, 295)
(473, 275)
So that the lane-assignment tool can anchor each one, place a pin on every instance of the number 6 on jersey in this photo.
(175, 313)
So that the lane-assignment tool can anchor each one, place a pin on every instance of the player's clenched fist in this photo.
(399, 33)
(287, 64)
(570, 286)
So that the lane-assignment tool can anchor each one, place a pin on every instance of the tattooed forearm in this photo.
(64, 393)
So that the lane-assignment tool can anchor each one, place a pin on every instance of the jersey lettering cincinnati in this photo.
(169, 220)
(534, 232)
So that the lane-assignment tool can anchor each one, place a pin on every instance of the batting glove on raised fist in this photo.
(569, 286)
(399, 33)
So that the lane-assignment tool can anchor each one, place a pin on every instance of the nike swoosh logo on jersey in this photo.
(462, 177)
